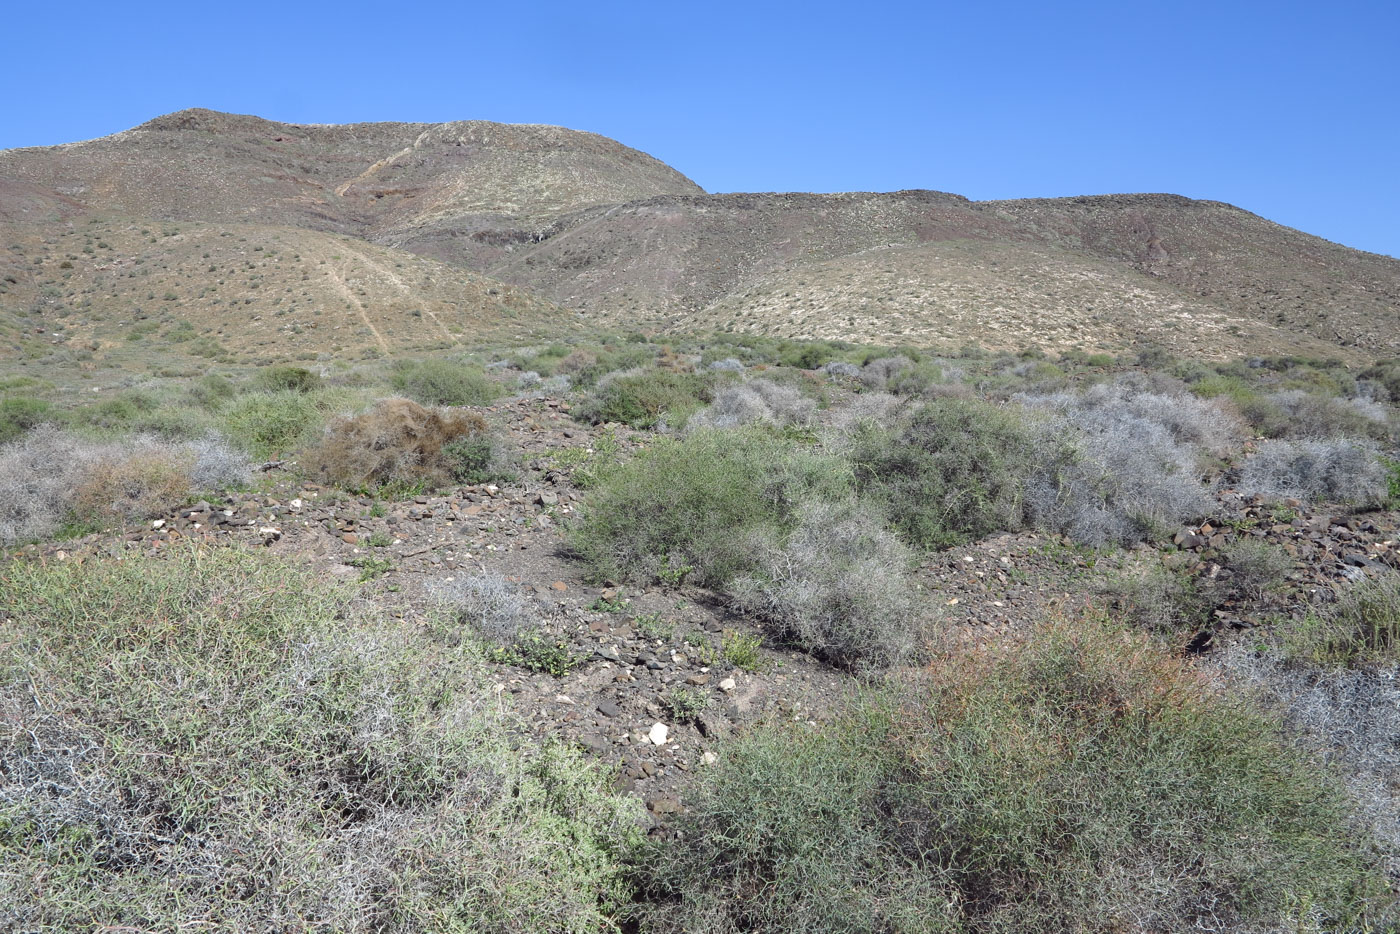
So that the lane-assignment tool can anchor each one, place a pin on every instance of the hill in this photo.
(419, 213)
(370, 179)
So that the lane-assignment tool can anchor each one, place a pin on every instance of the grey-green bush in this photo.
(688, 507)
(836, 586)
(954, 469)
(443, 382)
(1084, 780)
(1343, 471)
(219, 740)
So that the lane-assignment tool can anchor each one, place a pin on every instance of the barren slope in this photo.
(249, 291)
(1002, 295)
(1148, 259)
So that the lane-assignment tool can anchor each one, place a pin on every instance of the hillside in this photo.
(245, 291)
(403, 217)
(999, 294)
(765, 262)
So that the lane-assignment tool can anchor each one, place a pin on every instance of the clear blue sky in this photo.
(1288, 109)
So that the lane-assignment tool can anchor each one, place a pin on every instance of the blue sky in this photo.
(1290, 110)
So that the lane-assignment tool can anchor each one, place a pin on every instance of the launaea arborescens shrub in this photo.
(219, 740)
(1083, 779)
(401, 442)
(756, 400)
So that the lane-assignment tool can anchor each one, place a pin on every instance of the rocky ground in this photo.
(636, 654)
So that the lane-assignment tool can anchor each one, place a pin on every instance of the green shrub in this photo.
(268, 424)
(443, 382)
(1082, 781)
(218, 740)
(644, 398)
(954, 470)
(741, 650)
(1362, 629)
(1165, 601)
(18, 414)
(808, 355)
(212, 391)
(286, 378)
(696, 503)
(119, 413)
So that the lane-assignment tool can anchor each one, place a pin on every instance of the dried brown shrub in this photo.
(577, 361)
(149, 482)
(398, 441)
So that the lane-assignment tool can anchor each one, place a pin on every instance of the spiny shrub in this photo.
(953, 470)
(645, 398)
(269, 424)
(1135, 404)
(486, 602)
(1311, 416)
(50, 479)
(19, 414)
(757, 400)
(1122, 461)
(839, 368)
(1114, 486)
(443, 382)
(219, 740)
(38, 474)
(837, 586)
(217, 465)
(1351, 716)
(695, 502)
(401, 442)
(877, 373)
(1342, 471)
(1082, 780)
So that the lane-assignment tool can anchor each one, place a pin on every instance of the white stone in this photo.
(727, 685)
(657, 736)
(708, 758)
(158, 523)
